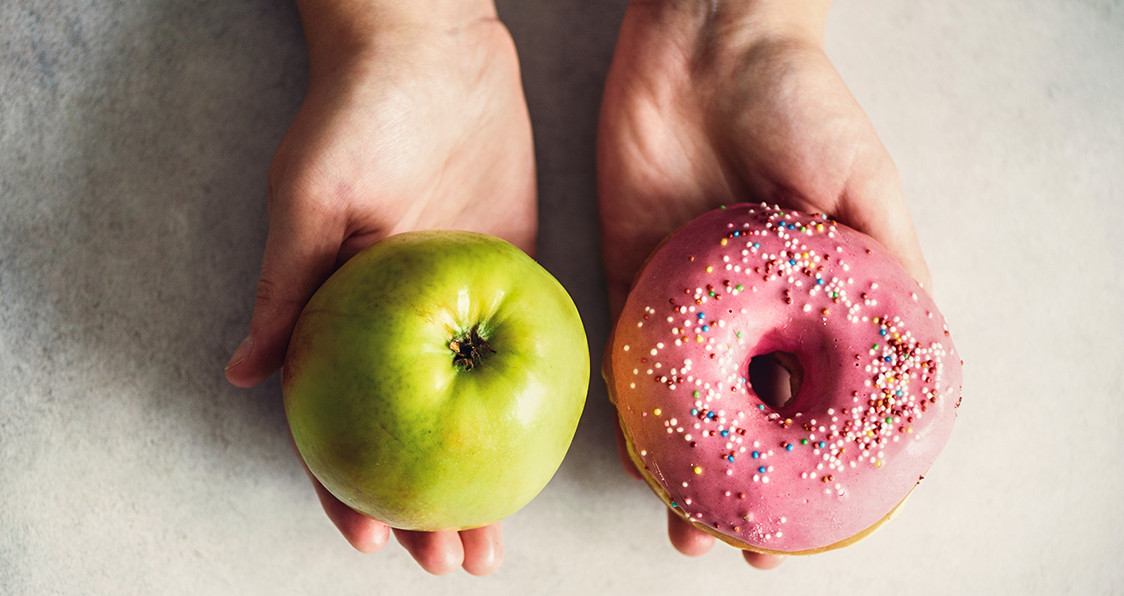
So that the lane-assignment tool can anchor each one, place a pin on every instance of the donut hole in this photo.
(776, 378)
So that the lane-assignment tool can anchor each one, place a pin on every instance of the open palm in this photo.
(429, 132)
(702, 110)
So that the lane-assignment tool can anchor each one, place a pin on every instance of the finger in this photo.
(874, 203)
(873, 200)
(622, 450)
(300, 253)
(686, 538)
(483, 549)
(763, 561)
(365, 534)
(439, 553)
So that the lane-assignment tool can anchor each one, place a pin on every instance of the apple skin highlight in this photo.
(384, 409)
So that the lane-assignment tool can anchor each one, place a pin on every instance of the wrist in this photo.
(745, 22)
(338, 30)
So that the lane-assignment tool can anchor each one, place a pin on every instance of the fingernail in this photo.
(242, 352)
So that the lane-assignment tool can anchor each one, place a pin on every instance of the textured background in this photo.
(135, 136)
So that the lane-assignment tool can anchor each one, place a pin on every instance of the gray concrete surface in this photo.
(135, 137)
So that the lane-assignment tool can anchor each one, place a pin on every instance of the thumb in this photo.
(875, 205)
(300, 253)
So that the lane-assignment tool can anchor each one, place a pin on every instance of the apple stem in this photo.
(468, 349)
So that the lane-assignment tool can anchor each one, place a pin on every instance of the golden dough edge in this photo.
(607, 374)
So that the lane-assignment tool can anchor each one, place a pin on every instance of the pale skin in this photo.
(709, 103)
(415, 119)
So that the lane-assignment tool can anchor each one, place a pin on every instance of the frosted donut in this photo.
(881, 379)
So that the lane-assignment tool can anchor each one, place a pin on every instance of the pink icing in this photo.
(881, 381)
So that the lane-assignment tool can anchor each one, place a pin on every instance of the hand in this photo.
(414, 118)
(713, 103)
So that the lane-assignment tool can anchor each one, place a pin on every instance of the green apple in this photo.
(435, 381)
